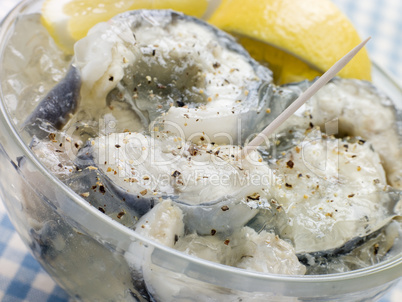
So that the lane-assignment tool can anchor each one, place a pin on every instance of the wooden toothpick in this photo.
(324, 79)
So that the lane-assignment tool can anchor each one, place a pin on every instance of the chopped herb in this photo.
(85, 194)
(290, 164)
(52, 136)
(254, 196)
(176, 173)
(102, 189)
(193, 150)
(376, 247)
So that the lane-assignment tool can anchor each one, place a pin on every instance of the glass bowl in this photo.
(94, 258)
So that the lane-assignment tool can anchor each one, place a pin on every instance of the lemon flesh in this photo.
(286, 68)
(315, 34)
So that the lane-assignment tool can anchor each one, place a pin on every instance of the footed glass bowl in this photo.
(94, 258)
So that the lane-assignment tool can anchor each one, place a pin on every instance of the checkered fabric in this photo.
(380, 19)
(22, 278)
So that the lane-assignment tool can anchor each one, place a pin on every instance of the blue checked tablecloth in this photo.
(22, 278)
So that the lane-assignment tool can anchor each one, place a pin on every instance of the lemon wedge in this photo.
(298, 39)
(69, 20)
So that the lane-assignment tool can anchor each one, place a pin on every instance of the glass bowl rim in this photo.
(393, 265)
